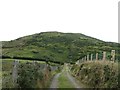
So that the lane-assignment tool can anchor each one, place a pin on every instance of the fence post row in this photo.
(86, 58)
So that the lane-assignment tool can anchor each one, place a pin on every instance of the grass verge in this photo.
(98, 74)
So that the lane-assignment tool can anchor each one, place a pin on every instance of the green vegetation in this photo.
(56, 46)
(7, 66)
(63, 81)
(99, 74)
(61, 48)
(119, 74)
(0, 73)
(29, 74)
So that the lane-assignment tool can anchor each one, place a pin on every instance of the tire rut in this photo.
(73, 81)
(54, 83)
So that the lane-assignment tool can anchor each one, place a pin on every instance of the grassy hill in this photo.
(57, 46)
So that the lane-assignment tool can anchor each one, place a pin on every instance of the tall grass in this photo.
(97, 74)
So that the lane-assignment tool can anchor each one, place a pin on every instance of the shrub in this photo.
(97, 74)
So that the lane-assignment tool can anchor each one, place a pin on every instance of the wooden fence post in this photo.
(104, 56)
(88, 57)
(85, 58)
(91, 57)
(15, 72)
(113, 55)
(96, 56)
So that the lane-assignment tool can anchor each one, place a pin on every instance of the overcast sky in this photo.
(96, 18)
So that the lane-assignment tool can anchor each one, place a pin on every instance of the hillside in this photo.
(57, 46)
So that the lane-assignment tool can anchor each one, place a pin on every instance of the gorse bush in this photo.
(97, 74)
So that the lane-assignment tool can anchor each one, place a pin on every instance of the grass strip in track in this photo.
(63, 81)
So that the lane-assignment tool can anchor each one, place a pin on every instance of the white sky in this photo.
(96, 18)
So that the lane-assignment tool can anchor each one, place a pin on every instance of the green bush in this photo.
(31, 76)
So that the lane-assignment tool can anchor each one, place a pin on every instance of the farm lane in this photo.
(54, 83)
(71, 79)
